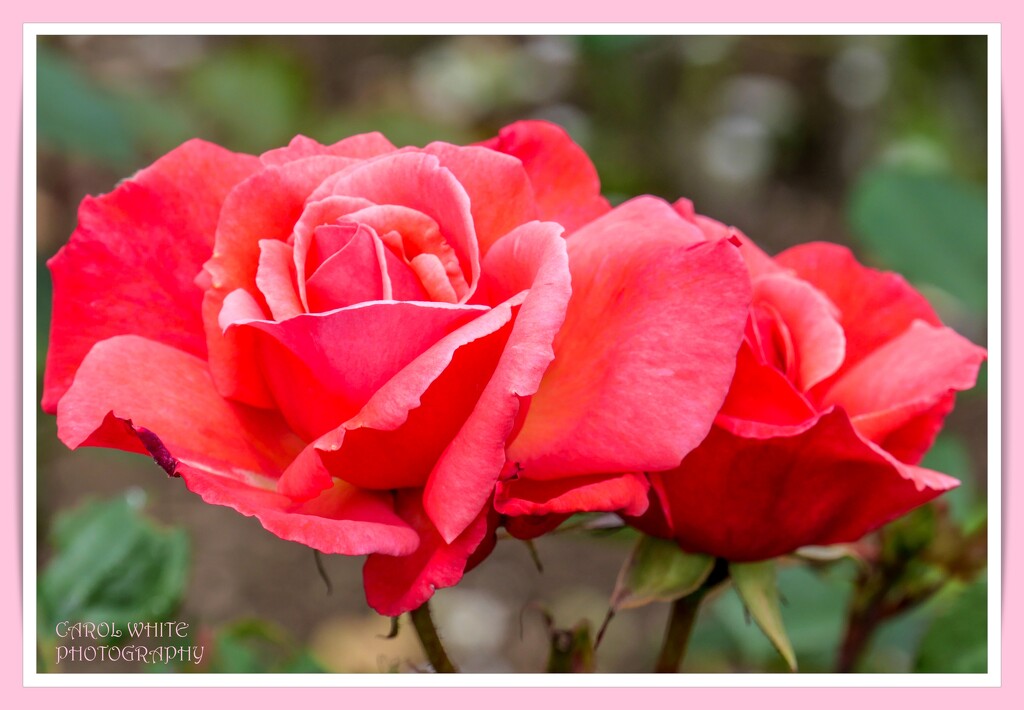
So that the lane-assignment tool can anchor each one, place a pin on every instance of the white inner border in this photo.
(31, 397)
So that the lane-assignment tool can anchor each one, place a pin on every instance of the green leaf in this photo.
(75, 115)
(957, 640)
(658, 571)
(112, 564)
(755, 583)
(931, 228)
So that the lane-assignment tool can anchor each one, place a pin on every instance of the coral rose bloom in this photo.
(843, 380)
(345, 341)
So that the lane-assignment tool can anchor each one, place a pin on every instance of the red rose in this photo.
(843, 380)
(343, 340)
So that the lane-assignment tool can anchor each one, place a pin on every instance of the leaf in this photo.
(75, 115)
(658, 571)
(931, 228)
(957, 640)
(112, 564)
(755, 583)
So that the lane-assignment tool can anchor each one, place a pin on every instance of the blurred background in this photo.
(875, 142)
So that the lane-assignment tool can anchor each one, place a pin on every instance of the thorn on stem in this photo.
(393, 632)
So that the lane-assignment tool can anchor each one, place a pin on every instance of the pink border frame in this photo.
(575, 11)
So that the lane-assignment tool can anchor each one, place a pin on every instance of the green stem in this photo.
(677, 635)
(425, 629)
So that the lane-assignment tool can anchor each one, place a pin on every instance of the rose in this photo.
(343, 341)
(842, 383)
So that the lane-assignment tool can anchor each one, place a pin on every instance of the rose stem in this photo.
(677, 635)
(431, 642)
(680, 621)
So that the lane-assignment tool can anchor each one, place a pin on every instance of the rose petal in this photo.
(812, 321)
(761, 402)
(266, 206)
(311, 246)
(565, 184)
(408, 426)
(364, 145)
(395, 585)
(430, 272)
(353, 274)
(402, 280)
(276, 279)
(530, 257)
(752, 499)
(874, 306)
(113, 277)
(528, 527)
(647, 351)
(500, 194)
(128, 383)
(908, 431)
(906, 376)
(614, 492)
(343, 520)
(321, 368)
(757, 261)
(417, 181)
(409, 234)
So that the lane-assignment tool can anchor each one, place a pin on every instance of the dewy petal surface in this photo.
(648, 348)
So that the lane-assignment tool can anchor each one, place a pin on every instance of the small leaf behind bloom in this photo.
(755, 583)
(658, 571)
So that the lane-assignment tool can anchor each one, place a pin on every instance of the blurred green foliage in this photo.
(258, 97)
(813, 605)
(957, 637)
(258, 646)
(931, 228)
(112, 564)
(78, 117)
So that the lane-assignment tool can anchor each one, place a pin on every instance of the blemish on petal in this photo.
(158, 451)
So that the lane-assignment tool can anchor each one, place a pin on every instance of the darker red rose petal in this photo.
(395, 585)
